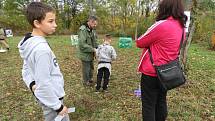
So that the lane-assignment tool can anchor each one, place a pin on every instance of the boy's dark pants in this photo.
(153, 95)
(87, 71)
(103, 73)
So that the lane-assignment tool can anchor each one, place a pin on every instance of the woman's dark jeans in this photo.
(153, 95)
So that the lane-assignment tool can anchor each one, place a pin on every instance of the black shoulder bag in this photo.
(171, 75)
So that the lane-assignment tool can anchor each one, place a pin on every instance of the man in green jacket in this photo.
(87, 47)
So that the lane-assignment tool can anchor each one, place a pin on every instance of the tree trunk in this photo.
(137, 20)
(184, 51)
(91, 7)
(186, 47)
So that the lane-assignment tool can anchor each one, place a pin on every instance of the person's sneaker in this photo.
(97, 91)
(86, 84)
(105, 90)
(90, 83)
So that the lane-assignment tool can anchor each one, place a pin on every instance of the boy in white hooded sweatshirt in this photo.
(40, 71)
(105, 54)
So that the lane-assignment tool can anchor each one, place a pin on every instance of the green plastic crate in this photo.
(125, 42)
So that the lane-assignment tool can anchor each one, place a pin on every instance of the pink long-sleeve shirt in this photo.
(163, 38)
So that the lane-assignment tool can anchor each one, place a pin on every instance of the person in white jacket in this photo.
(40, 71)
(105, 54)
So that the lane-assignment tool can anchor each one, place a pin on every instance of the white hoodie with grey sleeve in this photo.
(105, 54)
(40, 65)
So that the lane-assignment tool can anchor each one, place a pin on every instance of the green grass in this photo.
(194, 101)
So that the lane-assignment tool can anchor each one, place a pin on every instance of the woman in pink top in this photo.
(163, 38)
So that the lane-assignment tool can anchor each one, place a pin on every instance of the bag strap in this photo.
(27, 36)
(182, 38)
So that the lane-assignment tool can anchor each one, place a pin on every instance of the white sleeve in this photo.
(113, 54)
(44, 89)
(26, 74)
(98, 50)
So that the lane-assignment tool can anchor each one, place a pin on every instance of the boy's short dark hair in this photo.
(108, 36)
(37, 11)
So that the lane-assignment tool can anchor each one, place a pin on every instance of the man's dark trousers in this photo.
(87, 71)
